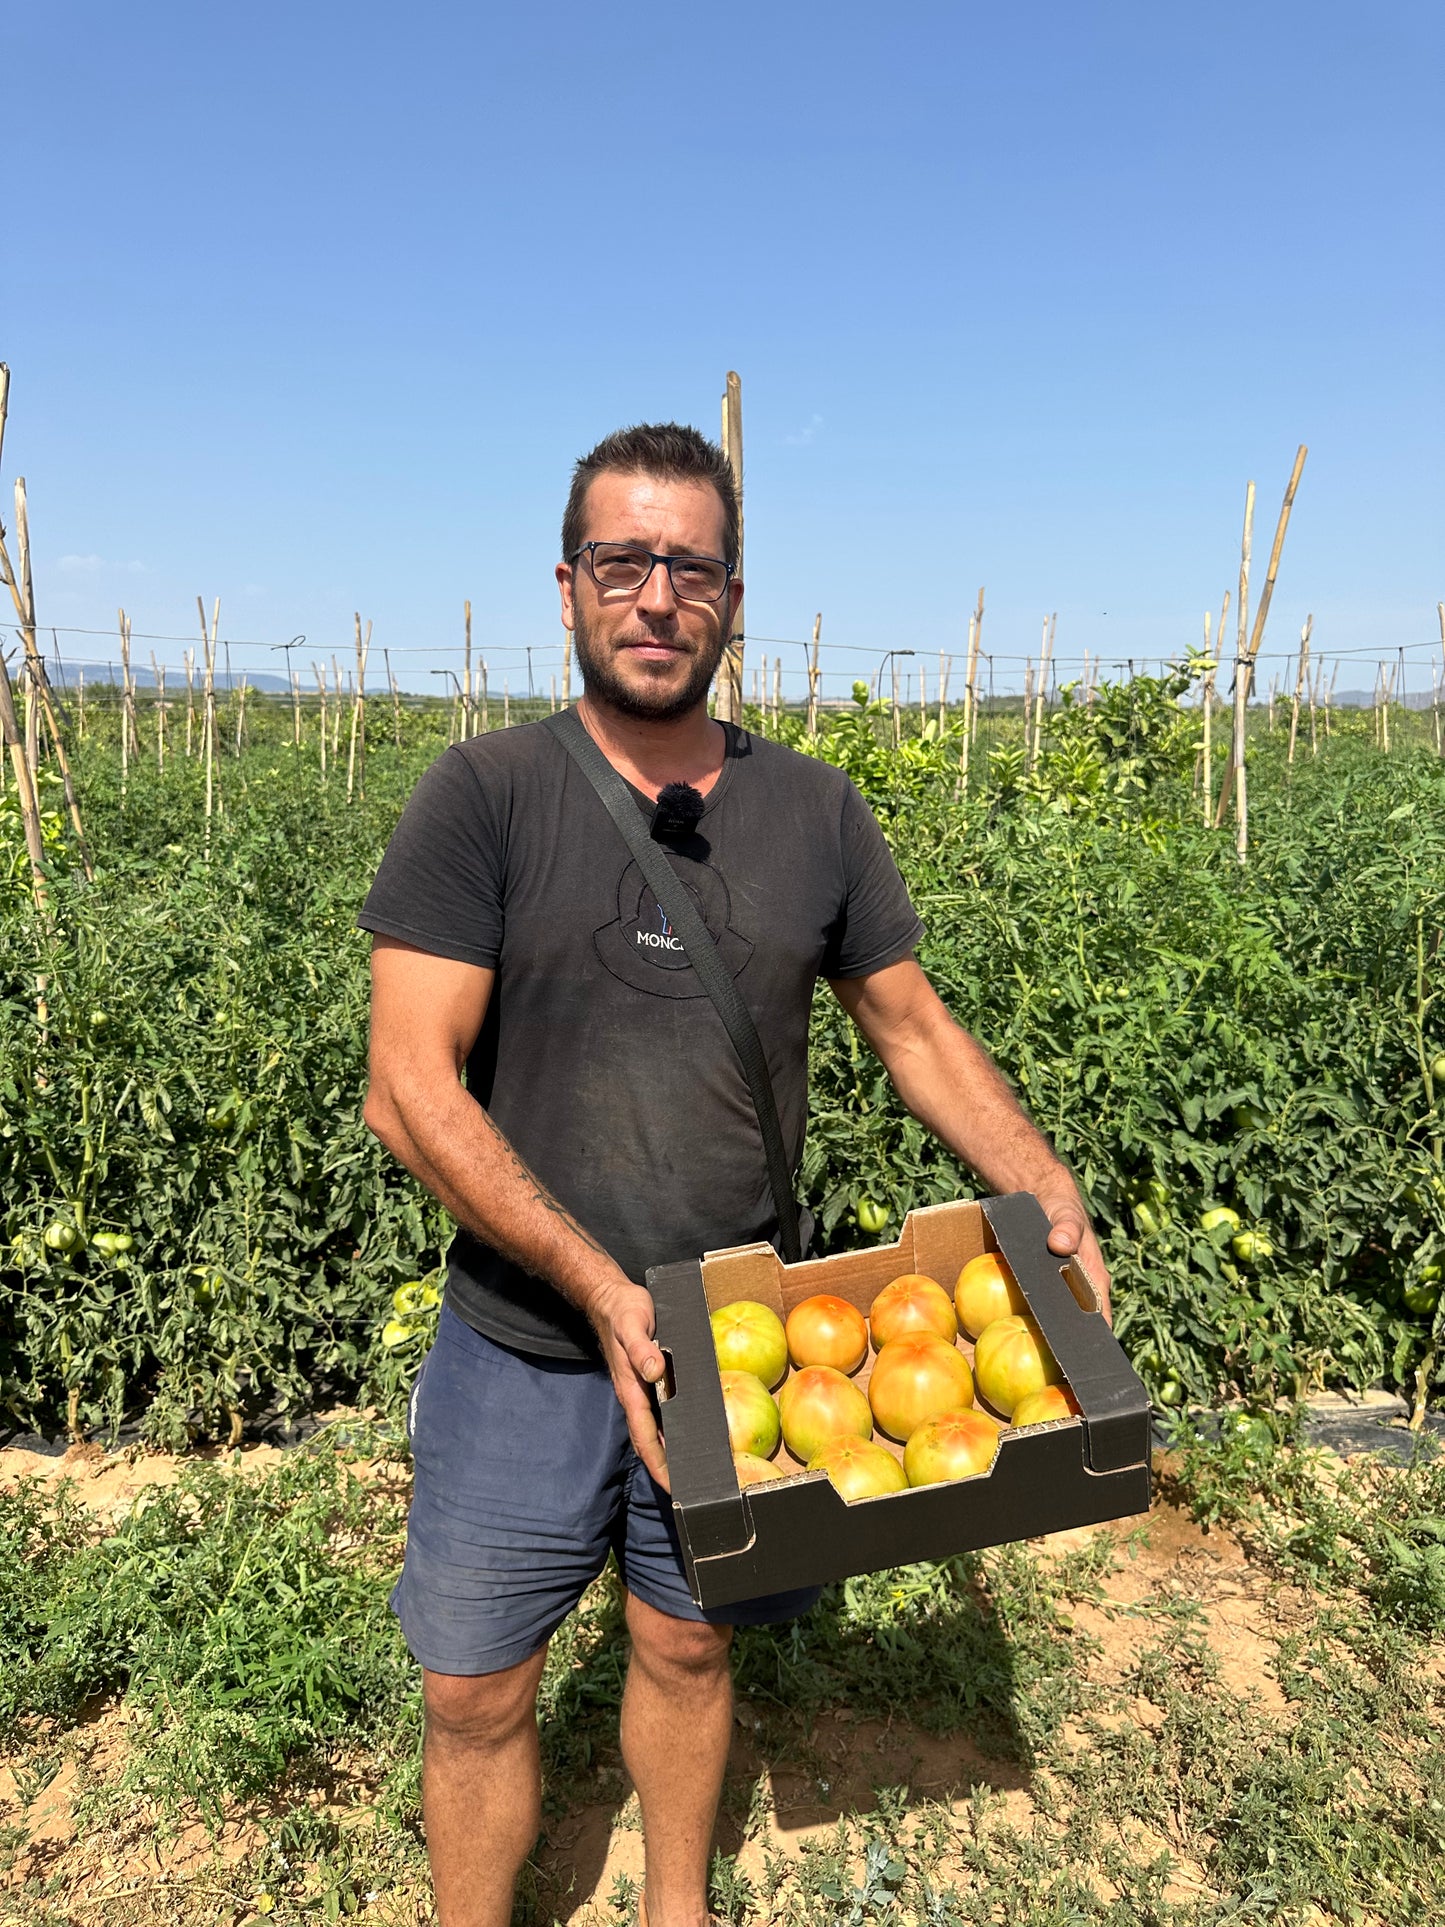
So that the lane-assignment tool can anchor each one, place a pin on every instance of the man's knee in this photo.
(668, 1645)
(483, 1710)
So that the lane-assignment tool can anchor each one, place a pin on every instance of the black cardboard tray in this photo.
(794, 1532)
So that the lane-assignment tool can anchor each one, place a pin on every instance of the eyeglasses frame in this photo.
(667, 561)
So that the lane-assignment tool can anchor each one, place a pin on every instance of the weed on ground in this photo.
(1229, 1713)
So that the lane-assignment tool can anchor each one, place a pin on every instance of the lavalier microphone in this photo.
(678, 811)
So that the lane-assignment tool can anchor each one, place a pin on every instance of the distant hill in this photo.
(141, 675)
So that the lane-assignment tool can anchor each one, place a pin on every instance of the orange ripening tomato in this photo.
(827, 1331)
(954, 1445)
(1037, 1408)
(912, 1303)
(859, 1468)
(915, 1377)
(818, 1404)
(1012, 1359)
(985, 1291)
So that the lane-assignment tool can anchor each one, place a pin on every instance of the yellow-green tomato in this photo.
(871, 1216)
(752, 1416)
(397, 1332)
(749, 1337)
(1251, 1247)
(60, 1236)
(1219, 1217)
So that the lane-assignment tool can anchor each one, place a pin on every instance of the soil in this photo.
(131, 1871)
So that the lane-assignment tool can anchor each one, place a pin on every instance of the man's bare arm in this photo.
(426, 1013)
(953, 1087)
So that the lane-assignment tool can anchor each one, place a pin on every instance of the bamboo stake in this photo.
(391, 684)
(1435, 681)
(1211, 664)
(1273, 694)
(190, 661)
(1028, 714)
(320, 671)
(1241, 690)
(1388, 692)
(554, 695)
(1329, 698)
(80, 704)
(159, 676)
(125, 700)
(486, 713)
(295, 675)
(922, 698)
(208, 714)
(945, 669)
(1045, 658)
(897, 721)
(336, 712)
(25, 787)
(970, 693)
(356, 756)
(814, 678)
(566, 668)
(467, 725)
(1301, 674)
(728, 704)
(1314, 690)
(1257, 637)
(777, 695)
(506, 704)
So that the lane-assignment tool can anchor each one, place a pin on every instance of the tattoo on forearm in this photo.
(539, 1191)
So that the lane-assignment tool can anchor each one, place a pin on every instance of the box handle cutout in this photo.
(1078, 1282)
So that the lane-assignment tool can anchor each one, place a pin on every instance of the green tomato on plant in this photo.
(871, 1216)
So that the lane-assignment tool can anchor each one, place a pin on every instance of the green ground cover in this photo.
(208, 1715)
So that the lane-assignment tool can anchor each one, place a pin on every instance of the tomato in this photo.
(1038, 1408)
(751, 1414)
(859, 1468)
(825, 1330)
(985, 1291)
(1217, 1217)
(912, 1303)
(113, 1244)
(396, 1332)
(748, 1337)
(818, 1404)
(1437, 1069)
(752, 1470)
(871, 1217)
(1171, 1392)
(1158, 1192)
(60, 1236)
(1420, 1299)
(951, 1445)
(99, 1019)
(1251, 1247)
(1010, 1360)
(915, 1377)
(1147, 1222)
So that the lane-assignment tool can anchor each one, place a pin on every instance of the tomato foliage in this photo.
(182, 1058)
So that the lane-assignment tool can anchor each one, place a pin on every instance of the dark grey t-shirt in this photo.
(601, 1056)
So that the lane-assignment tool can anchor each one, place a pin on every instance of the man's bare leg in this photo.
(481, 1789)
(677, 1714)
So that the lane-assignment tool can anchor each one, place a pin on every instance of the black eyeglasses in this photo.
(617, 565)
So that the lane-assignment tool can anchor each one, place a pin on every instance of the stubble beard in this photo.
(657, 703)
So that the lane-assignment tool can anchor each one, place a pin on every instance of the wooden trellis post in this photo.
(814, 675)
(467, 727)
(25, 787)
(1046, 656)
(208, 709)
(970, 693)
(190, 662)
(1301, 677)
(729, 702)
(391, 684)
(356, 754)
(1251, 654)
(320, 672)
(566, 668)
(945, 666)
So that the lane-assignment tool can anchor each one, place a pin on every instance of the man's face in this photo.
(642, 651)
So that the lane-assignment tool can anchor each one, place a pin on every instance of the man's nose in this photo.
(656, 594)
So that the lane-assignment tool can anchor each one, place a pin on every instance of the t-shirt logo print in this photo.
(641, 947)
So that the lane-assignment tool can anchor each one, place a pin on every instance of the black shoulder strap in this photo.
(702, 953)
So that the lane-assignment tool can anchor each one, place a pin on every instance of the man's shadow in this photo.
(895, 1681)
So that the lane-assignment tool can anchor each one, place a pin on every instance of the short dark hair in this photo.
(671, 452)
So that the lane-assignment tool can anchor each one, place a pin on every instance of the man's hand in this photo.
(622, 1316)
(1073, 1236)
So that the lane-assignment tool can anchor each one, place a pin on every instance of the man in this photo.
(605, 1125)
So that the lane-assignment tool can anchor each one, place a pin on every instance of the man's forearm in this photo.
(448, 1142)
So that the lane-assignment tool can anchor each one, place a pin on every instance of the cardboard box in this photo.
(797, 1531)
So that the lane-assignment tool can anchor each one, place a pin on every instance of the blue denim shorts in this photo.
(525, 1481)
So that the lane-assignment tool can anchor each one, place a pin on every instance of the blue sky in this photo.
(312, 307)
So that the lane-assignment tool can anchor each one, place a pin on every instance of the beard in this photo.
(646, 702)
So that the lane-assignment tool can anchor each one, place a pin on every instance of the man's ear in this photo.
(565, 584)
